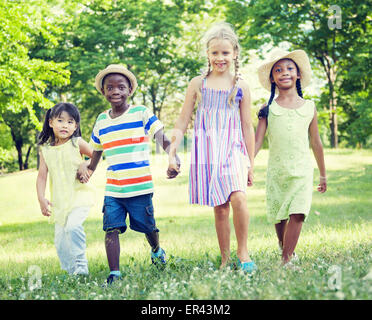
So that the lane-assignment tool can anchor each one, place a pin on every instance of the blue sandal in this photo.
(159, 257)
(247, 267)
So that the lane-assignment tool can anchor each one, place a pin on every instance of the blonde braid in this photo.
(235, 88)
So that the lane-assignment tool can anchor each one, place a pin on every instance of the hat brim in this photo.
(298, 56)
(116, 69)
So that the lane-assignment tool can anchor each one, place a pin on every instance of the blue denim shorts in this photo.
(139, 208)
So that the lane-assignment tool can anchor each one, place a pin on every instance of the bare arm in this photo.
(317, 147)
(247, 127)
(162, 140)
(183, 121)
(85, 148)
(260, 133)
(83, 174)
(165, 143)
(96, 156)
(41, 186)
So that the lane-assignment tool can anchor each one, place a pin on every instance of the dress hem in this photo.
(227, 200)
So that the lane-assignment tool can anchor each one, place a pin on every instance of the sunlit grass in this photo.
(336, 234)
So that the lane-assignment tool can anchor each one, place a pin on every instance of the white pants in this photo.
(70, 242)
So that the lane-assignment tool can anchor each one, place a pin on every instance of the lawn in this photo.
(335, 259)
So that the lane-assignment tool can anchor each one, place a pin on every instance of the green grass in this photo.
(334, 246)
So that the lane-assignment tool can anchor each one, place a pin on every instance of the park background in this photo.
(51, 52)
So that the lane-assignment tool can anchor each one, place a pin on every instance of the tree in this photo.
(143, 35)
(23, 133)
(328, 33)
(23, 80)
(356, 97)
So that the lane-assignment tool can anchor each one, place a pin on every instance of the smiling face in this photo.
(221, 54)
(116, 89)
(64, 126)
(285, 74)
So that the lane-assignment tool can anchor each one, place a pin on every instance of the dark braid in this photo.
(264, 112)
(298, 86)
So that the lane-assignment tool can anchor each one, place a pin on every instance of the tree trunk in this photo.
(20, 158)
(330, 69)
(18, 144)
(25, 165)
(333, 124)
(333, 110)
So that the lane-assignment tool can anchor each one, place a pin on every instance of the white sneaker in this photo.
(81, 270)
(294, 257)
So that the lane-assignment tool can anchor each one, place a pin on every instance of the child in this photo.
(223, 147)
(61, 154)
(289, 120)
(122, 134)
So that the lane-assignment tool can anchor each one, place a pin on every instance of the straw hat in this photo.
(116, 68)
(298, 56)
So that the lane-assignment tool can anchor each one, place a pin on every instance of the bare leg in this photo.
(280, 231)
(222, 223)
(291, 236)
(241, 223)
(112, 245)
(153, 240)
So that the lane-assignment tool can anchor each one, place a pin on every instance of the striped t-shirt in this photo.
(125, 143)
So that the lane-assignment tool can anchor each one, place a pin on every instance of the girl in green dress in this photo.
(291, 122)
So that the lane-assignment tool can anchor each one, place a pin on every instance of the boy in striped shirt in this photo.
(122, 134)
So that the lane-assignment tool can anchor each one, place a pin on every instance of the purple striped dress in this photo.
(219, 158)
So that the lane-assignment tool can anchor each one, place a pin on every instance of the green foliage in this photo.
(145, 36)
(356, 96)
(309, 25)
(23, 79)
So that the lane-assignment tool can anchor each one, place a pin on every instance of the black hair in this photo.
(109, 74)
(298, 87)
(47, 134)
(264, 112)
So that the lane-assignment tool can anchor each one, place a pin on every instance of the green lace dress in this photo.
(290, 169)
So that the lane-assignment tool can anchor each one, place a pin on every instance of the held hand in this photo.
(178, 162)
(250, 177)
(83, 174)
(44, 206)
(322, 187)
(86, 177)
(173, 167)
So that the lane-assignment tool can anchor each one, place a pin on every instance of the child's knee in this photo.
(222, 212)
(74, 228)
(238, 198)
(297, 217)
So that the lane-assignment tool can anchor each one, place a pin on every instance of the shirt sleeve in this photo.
(94, 138)
(151, 123)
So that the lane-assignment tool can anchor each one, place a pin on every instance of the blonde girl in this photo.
(223, 143)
